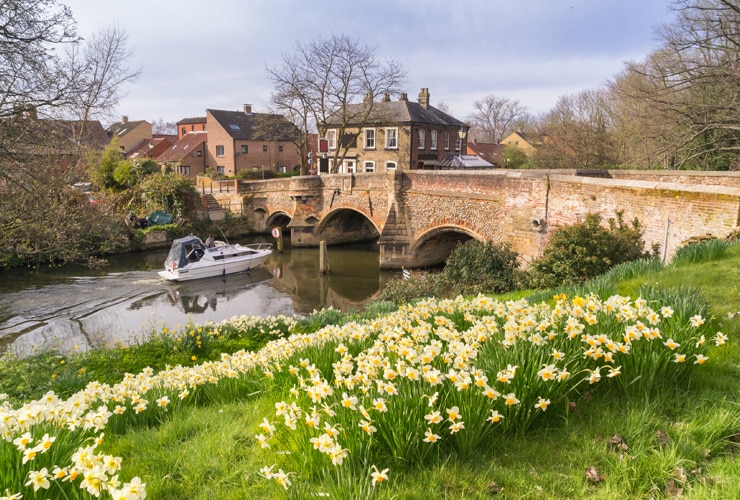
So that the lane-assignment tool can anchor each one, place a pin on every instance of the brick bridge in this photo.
(418, 217)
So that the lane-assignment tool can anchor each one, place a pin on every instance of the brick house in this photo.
(188, 156)
(241, 140)
(188, 125)
(130, 133)
(397, 134)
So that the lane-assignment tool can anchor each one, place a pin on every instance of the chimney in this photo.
(386, 97)
(368, 98)
(125, 119)
(248, 109)
(403, 97)
(424, 98)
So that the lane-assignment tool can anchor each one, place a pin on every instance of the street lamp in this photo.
(461, 135)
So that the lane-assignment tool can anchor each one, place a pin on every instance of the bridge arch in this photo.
(345, 225)
(278, 218)
(433, 246)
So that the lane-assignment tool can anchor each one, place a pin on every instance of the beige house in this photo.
(130, 133)
(388, 135)
(524, 142)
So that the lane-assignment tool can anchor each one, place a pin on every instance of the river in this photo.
(75, 306)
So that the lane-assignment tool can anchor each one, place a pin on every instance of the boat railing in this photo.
(259, 246)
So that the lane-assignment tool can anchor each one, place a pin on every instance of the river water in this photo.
(127, 300)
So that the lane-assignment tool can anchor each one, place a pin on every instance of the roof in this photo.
(488, 151)
(255, 126)
(47, 136)
(123, 128)
(158, 144)
(452, 160)
(402, 111)
(184, 146)
(197, 119)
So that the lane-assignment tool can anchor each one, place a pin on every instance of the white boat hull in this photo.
(219, 261)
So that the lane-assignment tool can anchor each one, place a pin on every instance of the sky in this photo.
(213, 54)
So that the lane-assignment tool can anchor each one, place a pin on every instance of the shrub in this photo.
(587, 249)
(481, 267)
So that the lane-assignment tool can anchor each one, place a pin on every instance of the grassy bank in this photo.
(623, 388)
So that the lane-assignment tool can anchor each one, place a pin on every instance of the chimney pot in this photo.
(424, 98)
(248, 108)
(125, 118)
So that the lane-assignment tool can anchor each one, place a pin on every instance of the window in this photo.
(220, 169)
(422, 138)
(390, 165)
(200, 153)
(184, 131)
(282, 169)
(349, 166)
(184, 170)
(433, 139)
(447, 141)
(245, 148)
(369, 166)
(391, 138)
(264, 148)
(369, 138)
(219, 150)
(280, 148)
(332, 136)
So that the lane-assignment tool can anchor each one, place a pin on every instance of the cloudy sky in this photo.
(213, 54)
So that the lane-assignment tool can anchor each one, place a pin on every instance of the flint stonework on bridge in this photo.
(418, 217)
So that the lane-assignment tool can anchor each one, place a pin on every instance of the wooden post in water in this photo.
(278, 235)
(323, 258)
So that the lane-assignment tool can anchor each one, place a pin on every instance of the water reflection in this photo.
(126, 300)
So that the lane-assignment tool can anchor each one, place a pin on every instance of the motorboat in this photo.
(191, 259)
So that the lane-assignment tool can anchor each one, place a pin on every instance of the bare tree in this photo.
(690, 88)
(493, 117)
(579, 132)
(159, 126)
(320, 82)
(46, 71)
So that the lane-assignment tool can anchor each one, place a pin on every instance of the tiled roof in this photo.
(59, 136)
(488, 151)
(197, 119)
(255, 126)
(402, 111)
(123, 128)
(184, 146)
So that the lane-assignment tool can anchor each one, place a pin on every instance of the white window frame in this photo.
(331, 135)
(369, 166)
(447, 141)
(391, 138)
(349, 166)
(391, 165)
(369, 136)
(220, 151)
(422, 138)
(433, 140)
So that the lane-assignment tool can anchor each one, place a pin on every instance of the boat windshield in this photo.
(183, 251)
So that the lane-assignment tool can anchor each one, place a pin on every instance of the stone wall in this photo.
(521, 207)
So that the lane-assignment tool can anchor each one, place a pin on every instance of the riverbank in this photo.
(644, 436)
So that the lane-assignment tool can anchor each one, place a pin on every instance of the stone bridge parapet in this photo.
(417, 217)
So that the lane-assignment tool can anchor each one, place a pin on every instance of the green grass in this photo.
(658, 439)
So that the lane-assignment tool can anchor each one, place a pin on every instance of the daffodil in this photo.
(39, 479)
(379, 476)
(542, 404)
(431, 437)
